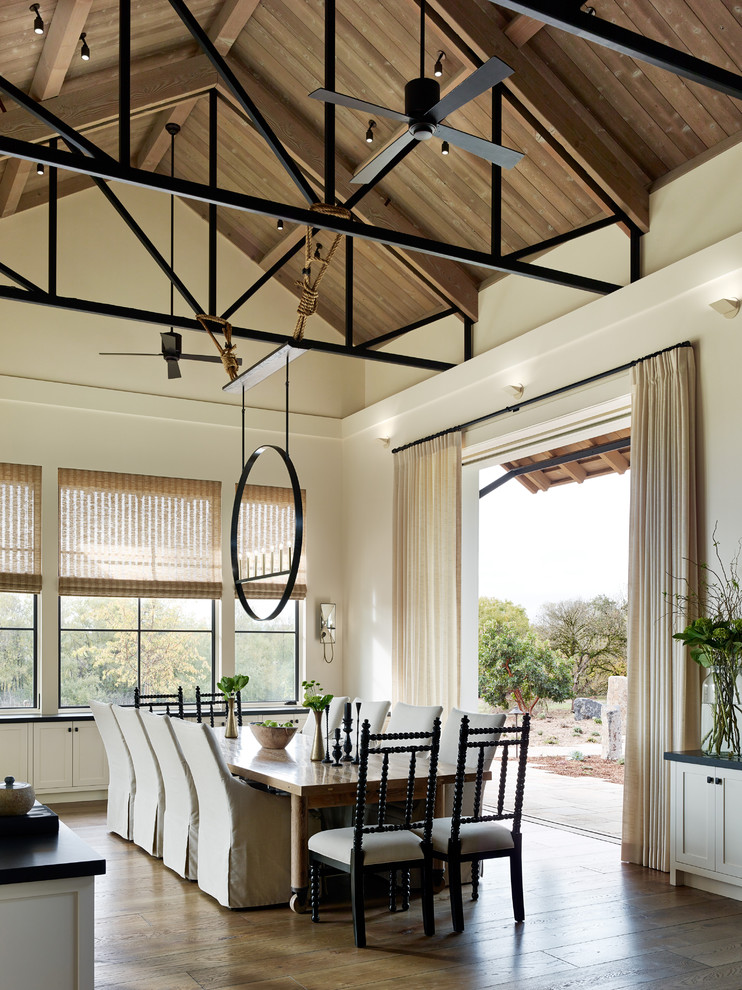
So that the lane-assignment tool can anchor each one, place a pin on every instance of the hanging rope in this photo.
(226, 353)
(312, 253)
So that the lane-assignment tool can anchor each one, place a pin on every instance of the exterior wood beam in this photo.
(575, 471)
(551, 102)
(521, 29)
(617, 461)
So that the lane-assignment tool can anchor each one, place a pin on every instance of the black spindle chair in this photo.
(474, 835)
(213, 705)
(152, 701)
(383, 847)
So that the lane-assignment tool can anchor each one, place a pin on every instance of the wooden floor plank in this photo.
(592, 922)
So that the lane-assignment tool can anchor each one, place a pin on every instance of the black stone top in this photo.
(48, 857)
(86, 716)
(698, 756)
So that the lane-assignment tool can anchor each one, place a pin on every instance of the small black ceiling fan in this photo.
(172, 352)
(425, 111)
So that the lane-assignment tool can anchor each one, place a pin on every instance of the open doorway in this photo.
(553, 567)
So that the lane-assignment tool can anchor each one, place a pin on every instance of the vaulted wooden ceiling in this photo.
(597, 128)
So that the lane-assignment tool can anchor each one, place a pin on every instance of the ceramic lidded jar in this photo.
(16, 798)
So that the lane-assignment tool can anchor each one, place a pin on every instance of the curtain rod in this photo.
(540, 398)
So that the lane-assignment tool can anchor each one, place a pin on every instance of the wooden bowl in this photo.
(273, 736)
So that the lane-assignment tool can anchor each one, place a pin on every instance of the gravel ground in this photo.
(559, 728)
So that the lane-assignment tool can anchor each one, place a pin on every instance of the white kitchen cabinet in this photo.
(705, 837)
(14, 751)
(68, 755)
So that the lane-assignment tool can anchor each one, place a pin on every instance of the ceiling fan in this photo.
(425, 111)
(172, 352)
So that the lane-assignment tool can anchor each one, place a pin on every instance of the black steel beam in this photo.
(424, 322)
(496, 176)
(635, 254)
(53, 229)
(240, 94)
(40, 298)
(569, 235)
(19, 279)
(264, 207)
(568, 17)
(575, 455)
(213, 177)
(468, 338)
(329, 107)
(125, 82)
(349, 268)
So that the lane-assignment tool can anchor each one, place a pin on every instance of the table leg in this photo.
(299, 854)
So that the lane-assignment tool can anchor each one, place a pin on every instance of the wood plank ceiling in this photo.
(585, 466)
(596, 128)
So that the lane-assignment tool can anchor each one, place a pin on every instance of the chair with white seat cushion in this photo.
(368, 847)
(471, 835)
(121, 779)
(413, 718)
(373, 711)
(243, 833)
(180, 822)
(149, 803)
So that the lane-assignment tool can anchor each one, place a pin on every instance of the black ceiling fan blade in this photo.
(329, 96)
(173, 370)
(211, 359)
(127, 354)
(495, 153)
(485, 77)
(380, 161)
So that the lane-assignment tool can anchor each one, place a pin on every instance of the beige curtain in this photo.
(132, 535)
(427, 572)
(265, 540)
(20, 527)
(664, 697)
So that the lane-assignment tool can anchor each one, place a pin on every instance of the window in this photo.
(268, 652)
(20, 581)
(139, 570)
(109, 646)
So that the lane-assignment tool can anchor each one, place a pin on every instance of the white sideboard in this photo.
(705, 833)
(58, 756)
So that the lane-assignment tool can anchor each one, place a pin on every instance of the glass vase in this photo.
(721, 711)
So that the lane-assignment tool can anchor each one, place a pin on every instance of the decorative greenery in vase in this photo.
(229, 686)
(313, 697)
(715, 642)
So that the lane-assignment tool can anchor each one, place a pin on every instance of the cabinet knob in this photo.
(76, 729)
(718, 780)
(69, 728)
(709, 780)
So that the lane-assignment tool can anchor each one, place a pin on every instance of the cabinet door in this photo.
(52, 755)
(695, 816)
(89, 763)
(728, 818)
(14, 760)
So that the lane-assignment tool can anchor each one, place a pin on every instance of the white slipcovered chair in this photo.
(149, 804)
(413, 718)
(180, 822)
(449, 750)
(243, 833)
(374, 711)
(121, 780)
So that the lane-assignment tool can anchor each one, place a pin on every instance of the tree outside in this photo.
(592, 634)
(16, 650)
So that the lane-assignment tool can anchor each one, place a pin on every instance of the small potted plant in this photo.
(273, 735)
(317, 702)
(229, 686)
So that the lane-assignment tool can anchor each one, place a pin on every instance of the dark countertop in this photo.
(699, 757)
(249, 714)
(48, 857)
(86, 716)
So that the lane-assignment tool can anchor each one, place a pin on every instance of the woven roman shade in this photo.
(20, 527)
(131, 535)
(265, 533)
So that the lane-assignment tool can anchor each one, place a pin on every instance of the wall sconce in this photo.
(327, 630)
(727, 307)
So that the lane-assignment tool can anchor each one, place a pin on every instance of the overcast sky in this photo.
(568, 542)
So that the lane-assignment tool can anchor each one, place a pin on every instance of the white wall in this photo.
(666, 307)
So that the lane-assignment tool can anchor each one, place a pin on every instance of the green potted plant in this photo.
(714, 638)
(317, 701)
(229, 686)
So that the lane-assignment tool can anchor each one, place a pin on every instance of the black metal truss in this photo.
(568, 17)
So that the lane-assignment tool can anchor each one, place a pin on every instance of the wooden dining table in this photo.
(313, 784)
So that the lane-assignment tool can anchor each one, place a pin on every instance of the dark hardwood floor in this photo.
(591, 922)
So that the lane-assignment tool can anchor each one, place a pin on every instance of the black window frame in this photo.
(138, 630)
(274, 632)
(35, 631)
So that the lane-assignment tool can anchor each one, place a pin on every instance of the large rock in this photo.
(611, 734)
(587, 708)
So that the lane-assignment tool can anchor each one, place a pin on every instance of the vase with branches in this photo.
(714, 638)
